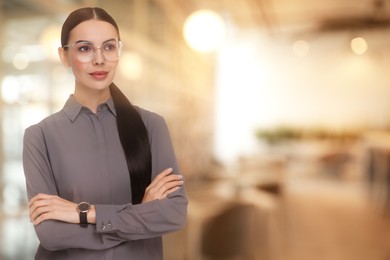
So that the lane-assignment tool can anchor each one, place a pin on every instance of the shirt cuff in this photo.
(106, 218)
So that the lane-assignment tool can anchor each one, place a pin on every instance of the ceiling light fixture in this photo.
(359, 45)
(204, 30)
(301, 48)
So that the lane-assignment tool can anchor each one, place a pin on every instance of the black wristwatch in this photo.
(83, 209)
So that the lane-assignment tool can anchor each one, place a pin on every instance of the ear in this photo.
(63, 56)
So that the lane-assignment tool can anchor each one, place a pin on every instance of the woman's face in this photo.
(89, 55)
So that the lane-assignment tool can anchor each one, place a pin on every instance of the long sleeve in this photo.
(66, 158)
(154, 218)
(54, 235)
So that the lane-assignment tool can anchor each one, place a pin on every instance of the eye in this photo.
(84, 48)
(110, 46)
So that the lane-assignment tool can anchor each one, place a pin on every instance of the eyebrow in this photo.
(89, 42)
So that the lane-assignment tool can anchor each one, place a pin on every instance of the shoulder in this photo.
(154, 123)
(150, 119)
(45, 124)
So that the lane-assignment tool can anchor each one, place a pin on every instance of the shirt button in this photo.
(109, 225)
(103, 227)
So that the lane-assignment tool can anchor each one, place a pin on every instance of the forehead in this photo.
(93, 31)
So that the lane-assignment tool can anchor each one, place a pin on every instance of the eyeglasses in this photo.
(85, 51)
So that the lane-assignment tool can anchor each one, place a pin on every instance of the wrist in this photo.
(91, 217)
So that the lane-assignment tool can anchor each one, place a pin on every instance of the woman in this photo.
(102, 178)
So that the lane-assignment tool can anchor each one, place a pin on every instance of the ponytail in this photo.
(135, 142)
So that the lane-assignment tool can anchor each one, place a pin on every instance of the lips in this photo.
(99, 74)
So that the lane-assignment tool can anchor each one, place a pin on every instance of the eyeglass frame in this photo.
(118, 43)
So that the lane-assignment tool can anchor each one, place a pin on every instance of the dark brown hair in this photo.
(81, 15)
(132, 131)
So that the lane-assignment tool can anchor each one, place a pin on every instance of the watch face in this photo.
(83, 207)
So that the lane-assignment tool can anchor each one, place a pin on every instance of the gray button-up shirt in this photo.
(77, 155)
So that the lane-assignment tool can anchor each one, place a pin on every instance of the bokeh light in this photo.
(204, 30)
(301, 48)
(359, 45)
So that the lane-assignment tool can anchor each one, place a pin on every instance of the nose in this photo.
(99, 57)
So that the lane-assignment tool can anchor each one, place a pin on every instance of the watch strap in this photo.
(83, 219)
(83, 209)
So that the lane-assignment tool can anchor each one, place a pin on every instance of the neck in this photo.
(92, 99)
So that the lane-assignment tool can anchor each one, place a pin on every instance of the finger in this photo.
(40, 207)
(163, 174)
(159, 177)
(157, 192)
(43, 200)
(34, 199)
(167, 180)
(35, 205)
(40, 196)
(45, 204)
(41, 218)
(38, 212)
(170, 185)
(58, 211)
(166, 193)
(166, 172)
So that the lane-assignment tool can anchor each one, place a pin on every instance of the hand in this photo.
(43, 207)
(162, 185)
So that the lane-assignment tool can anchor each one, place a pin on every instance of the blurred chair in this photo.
(377, 168)
(378, 176)
(230, 234)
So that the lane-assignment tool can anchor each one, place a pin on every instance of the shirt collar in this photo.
(111, 106)
(72, 108)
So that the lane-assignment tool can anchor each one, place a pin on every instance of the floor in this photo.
(326, 219)
(335, 220)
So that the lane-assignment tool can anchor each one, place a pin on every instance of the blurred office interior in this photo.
(278, 109)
